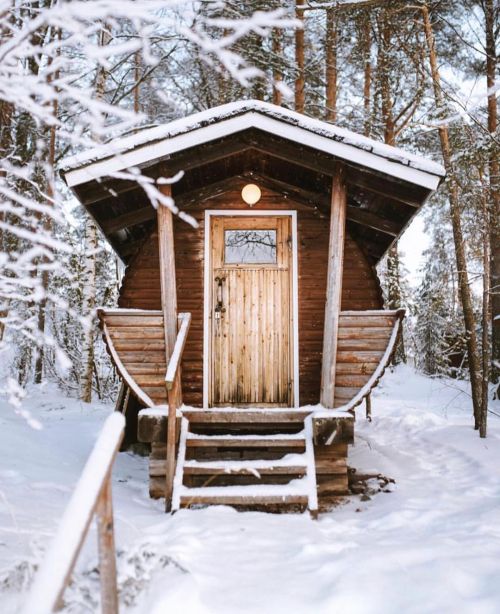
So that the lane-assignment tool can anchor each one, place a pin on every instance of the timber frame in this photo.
(348, 199)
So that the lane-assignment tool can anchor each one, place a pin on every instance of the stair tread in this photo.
(250, 442)
(295, 460)
(298, 487)
(249, 437)
(273, 416)
(283, 470)
(244, 500)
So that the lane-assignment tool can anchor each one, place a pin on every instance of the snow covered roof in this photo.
(152, 144)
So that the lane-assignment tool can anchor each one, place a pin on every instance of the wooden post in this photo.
(334, 285)
(171, 437)
(167, 272)
(169, 308)
(107, 558)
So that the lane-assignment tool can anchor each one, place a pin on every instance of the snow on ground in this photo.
(431, 545)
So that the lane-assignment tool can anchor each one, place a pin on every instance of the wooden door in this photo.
(251, 311)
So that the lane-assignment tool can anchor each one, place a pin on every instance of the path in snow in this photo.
(432, 545)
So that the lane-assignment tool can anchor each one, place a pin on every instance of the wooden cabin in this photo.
(246, 334)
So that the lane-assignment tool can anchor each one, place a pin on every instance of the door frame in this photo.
(207, 285)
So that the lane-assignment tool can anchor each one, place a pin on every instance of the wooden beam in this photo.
(307, 197)
(317, 161)
(405, 193)
(199, 155)
(334, 285)
(372, 220)
(95, 191)
(208, 190)
(167, 272)
(126, 220)
(169, 309)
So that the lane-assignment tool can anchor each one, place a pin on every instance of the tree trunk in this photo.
(394, 298)
(89, 267)
(299, 60)
(44, 275)
(6, 129)
(367, 76)
(277, 73)
(331, 65)
(88, 307)
(393, 274)
(47, 225)
(486, 319)
(453, 194)
(384, 76)
(137, 77)
(5, 150)
(494, 179)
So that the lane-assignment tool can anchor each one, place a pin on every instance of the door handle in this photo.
(219, 307)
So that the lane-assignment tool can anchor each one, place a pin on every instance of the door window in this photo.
(250, 247)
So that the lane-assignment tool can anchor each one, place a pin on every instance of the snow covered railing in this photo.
(172, 384)
(92, 496)
(175, 357)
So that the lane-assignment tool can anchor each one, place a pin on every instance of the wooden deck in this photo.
(251, 458)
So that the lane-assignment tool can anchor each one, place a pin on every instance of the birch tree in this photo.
(89, 266)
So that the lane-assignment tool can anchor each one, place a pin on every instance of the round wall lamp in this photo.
(251, 194)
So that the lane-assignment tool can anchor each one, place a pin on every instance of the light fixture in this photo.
(251, 194)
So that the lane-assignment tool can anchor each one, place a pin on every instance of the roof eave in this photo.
(164, 148)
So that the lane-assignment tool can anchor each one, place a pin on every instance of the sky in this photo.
(412, 245)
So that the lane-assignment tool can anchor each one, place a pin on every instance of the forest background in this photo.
(420, 75)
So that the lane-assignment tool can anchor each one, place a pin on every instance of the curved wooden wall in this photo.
(360, 291)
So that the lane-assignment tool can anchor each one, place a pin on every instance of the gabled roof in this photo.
(221, 149)
(161, 142)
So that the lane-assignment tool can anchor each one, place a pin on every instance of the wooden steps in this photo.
(253, 448)
(262, 470)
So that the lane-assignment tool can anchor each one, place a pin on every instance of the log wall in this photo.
(360, 291)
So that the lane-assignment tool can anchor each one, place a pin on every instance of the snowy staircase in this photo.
(249, 459)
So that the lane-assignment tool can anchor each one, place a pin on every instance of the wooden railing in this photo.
(172, 383)
(92, 496)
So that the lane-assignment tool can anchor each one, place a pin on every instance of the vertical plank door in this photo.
(251, 311)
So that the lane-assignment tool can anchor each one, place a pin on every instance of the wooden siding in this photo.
(136, 343)
(360, 291)
(363, 344)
